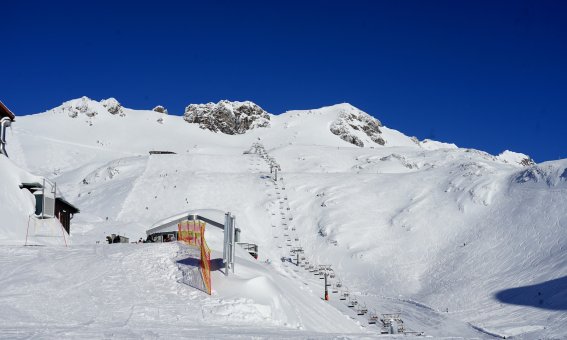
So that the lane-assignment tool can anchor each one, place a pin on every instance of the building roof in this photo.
(5, 112)
(71, 208)
(35, 186)
(213, 217)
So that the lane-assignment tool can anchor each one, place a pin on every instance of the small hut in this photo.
(63, 210)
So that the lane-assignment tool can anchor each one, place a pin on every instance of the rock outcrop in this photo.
(90, 108)
(160, 109)
(349, 121)
(227, 117)
(112, 106)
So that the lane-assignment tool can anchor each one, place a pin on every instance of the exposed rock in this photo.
(81, 105)
(349, 121)
(90, 108)
(160, 109)
(515, 158)
(113, 106)
(527, 162)
(227, 117)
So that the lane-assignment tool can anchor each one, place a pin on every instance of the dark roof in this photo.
(5, 112)
(71, 208)
(32, 185)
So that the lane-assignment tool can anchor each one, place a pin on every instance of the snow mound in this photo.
(357, 127)
(429, 144)
(227, 117)
(17, 204)
(515, 158)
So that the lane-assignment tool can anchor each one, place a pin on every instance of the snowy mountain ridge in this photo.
(344, 120)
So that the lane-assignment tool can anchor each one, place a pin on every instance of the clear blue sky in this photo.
(490, 75)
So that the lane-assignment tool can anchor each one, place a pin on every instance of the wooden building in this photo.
(64, 211)
(6, 119)
(5, 112)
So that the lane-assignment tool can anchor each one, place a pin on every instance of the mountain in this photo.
(461, 242)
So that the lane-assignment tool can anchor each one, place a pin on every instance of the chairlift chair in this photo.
(351, 303)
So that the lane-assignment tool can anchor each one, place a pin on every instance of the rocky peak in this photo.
(90, 108)
(160, 109)
(354, 126)
(515, 158)
(227, 117)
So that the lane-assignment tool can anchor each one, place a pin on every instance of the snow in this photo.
(515, 158)
(444, 235)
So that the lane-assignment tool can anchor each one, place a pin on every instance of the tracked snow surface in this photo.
(461, 243)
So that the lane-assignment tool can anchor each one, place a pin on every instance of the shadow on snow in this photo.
(551, 295)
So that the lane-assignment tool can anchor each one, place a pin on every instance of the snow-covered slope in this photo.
(447, 236)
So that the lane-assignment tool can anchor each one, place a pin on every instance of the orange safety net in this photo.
(193, 233)
(190, 232)
(205, 260)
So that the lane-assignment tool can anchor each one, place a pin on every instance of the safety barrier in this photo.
(192, 232)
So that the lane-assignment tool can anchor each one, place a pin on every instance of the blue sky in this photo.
(490, 75)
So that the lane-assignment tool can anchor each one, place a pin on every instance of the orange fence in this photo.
(205, 261)
(193, 233)
(190, 232)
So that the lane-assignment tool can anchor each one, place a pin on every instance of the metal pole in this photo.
(43, 200)
(326, 290)
(233, 248)
(225, 243)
